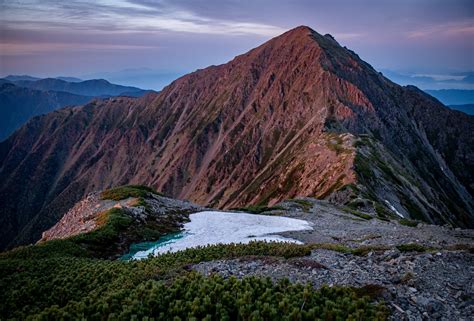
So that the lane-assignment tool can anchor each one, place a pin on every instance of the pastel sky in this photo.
(146, 39)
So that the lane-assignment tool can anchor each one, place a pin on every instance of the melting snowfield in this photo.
(223, 227)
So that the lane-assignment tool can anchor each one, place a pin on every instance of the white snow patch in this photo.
(394, 209)
(212, 227)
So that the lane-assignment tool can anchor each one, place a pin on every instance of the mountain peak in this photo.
(300, 30)
(303, 37)
(296, 116)
(305, 31)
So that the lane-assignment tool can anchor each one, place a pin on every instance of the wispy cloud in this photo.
(72, 36)
(438, 77)
(125, 16)
(452, 29)
(33, 48)
(345, 36)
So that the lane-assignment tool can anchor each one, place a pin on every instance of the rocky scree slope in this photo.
(285, 119)
(423, 272)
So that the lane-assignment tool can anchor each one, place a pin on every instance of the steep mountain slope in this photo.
(17, 105)
(94, 87)
(298, 116)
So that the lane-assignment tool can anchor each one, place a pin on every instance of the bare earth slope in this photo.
(280, 121)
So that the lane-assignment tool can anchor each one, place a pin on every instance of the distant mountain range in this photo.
(20, 77)
(457, 99)
(22, 97)
(141, 77)
(453, 96)
(456, 80)
(442, 87)
(92, 88)
(297, 116)
(19, 104)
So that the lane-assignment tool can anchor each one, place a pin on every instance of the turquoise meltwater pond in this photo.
(145, 246)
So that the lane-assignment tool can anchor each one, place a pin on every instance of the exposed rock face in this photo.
(274, 123)
(83, 217)
(151, 211)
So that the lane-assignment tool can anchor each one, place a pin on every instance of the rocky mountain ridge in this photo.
(298, 116)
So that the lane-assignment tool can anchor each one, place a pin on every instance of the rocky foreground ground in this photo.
(423, 272)
(432, 281)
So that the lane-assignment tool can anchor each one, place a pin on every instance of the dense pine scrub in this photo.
(407, 222)
(193, 297)
(163, 288)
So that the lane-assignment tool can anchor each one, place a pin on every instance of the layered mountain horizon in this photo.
(23, 97)
(298, 116)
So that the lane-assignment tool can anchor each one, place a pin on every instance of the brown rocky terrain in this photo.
(298, 116)
(85, 216)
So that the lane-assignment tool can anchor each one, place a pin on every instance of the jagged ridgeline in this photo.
(297, 116)
(63, 276)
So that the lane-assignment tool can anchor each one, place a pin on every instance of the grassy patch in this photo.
(141, 202)
(382, 213)
(364, 250)
(304, 204)
(358, 213)
(123, 192)
(359, 251)
(117, 222)
(332, 247)
(413, 247)
(257, 209)
(362, 166)
(407, 222)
